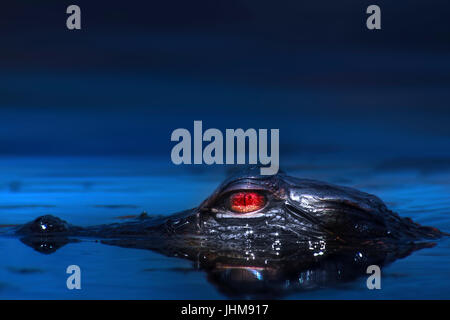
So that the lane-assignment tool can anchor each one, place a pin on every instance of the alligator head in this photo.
(256, 233)
(254, 207)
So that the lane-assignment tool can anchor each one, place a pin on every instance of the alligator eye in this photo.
(244, 202)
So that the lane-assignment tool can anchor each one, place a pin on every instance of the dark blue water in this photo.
(102, 190)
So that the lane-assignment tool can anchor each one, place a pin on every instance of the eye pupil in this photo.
(243, 202)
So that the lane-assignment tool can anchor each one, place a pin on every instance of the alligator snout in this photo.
(45, 225)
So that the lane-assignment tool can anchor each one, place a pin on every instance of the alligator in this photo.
(261, 236)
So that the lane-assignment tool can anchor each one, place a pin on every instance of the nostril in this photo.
(49, 224)
(45, 225)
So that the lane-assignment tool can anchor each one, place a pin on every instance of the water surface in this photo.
(88, 191)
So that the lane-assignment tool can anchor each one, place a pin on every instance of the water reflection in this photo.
(265, 271)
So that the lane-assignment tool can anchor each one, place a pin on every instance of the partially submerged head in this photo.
(262, 235)
(253, 207)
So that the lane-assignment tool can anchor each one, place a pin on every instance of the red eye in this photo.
(243, 202)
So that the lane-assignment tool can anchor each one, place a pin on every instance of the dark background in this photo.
(86, 118)
(140, 69)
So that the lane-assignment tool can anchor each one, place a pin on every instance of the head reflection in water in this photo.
(262, 236)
